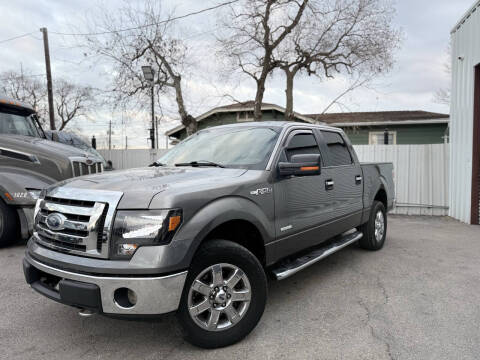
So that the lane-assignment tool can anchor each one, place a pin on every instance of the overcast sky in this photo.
(418, 72)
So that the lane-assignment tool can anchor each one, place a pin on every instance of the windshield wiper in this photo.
(200, 163)
(156, 164)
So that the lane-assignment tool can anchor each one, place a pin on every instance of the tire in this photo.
(8, 225)
(375, 230)
(225, 258)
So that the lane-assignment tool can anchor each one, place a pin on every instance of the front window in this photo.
(15, 124)
(231, 147)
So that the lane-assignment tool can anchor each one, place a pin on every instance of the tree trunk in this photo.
(289, 116)
(257, 111)
(187, 120)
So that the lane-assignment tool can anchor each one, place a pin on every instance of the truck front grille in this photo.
(84, 166)
(76, 225)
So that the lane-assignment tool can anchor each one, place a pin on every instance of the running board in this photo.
(286, 270)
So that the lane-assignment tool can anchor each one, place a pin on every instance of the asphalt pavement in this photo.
(418, 298)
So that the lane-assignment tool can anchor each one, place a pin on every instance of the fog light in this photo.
(125, 298)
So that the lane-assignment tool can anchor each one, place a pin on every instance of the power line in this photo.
(126, 29)
(15, 37)
(148, 25)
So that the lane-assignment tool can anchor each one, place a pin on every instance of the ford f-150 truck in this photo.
(201, 229)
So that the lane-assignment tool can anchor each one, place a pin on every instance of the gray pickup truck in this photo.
(199, 231)
(29, 163)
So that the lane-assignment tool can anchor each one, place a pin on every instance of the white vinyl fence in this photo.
(420, 172)
(131, 158)
(420, 175)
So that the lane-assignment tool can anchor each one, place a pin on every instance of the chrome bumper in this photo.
(155, 295)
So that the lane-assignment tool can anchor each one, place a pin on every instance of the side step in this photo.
(286, 270)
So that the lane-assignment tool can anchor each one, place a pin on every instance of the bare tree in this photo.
(339, 36)
(25, 87)
(252, 30)
(71, 102)
(148, 40)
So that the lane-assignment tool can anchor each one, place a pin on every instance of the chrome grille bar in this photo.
(68, 224)
(74, 210)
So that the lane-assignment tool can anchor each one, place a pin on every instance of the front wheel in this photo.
(224, 295)
(375, 230)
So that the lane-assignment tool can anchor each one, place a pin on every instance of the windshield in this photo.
(75, 141)
(231, 147)
(14, 124)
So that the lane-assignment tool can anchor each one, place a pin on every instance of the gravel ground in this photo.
(418, 298)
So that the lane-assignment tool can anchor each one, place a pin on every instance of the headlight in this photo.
(135, 228)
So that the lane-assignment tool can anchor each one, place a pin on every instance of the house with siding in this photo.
(402, 127)
(399, 127)
(233, 113)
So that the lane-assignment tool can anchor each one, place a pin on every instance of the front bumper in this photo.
(155, 295)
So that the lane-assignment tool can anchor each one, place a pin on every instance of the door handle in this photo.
(358, 179)
(329, 184)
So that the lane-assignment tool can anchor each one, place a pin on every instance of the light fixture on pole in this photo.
(149, 75)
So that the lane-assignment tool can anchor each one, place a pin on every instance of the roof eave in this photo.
(467, 14)
(399, 122)
(239, 108)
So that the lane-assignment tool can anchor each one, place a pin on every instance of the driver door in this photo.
(302, 203)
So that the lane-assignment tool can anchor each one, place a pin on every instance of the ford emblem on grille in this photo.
(89, 162)
(55, 221)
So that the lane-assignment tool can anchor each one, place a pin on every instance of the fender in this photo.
(218, 212)
(15, 182)
(374, 181)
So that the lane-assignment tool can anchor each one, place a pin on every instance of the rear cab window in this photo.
(338, 151)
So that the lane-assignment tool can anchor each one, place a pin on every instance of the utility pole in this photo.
(126, 142)
(153, 120)
(156, 129)
(110, 136)
(51, 111)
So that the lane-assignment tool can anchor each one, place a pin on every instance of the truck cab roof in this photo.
(10, 104)
(278, 125)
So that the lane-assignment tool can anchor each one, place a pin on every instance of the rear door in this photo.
(302, 203)
(343, 173)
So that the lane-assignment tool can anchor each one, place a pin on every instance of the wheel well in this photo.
(243, 233)
(382, 197)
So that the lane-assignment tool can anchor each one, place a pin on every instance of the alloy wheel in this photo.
(219, 297)
(379, 226)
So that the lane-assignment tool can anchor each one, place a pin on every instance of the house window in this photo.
(244, 116)
(378, 137)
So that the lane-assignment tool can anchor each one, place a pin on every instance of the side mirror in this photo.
(300, 165)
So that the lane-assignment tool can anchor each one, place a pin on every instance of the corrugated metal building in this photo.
(465, 118)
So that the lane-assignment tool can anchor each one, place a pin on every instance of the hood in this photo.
(140, 185)
(46, 145)
(54, 158)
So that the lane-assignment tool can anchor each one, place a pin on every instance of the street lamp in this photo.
(149, 75)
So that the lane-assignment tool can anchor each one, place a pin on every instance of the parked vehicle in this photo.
(29, 163)
(67, 138)
(200, 231)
